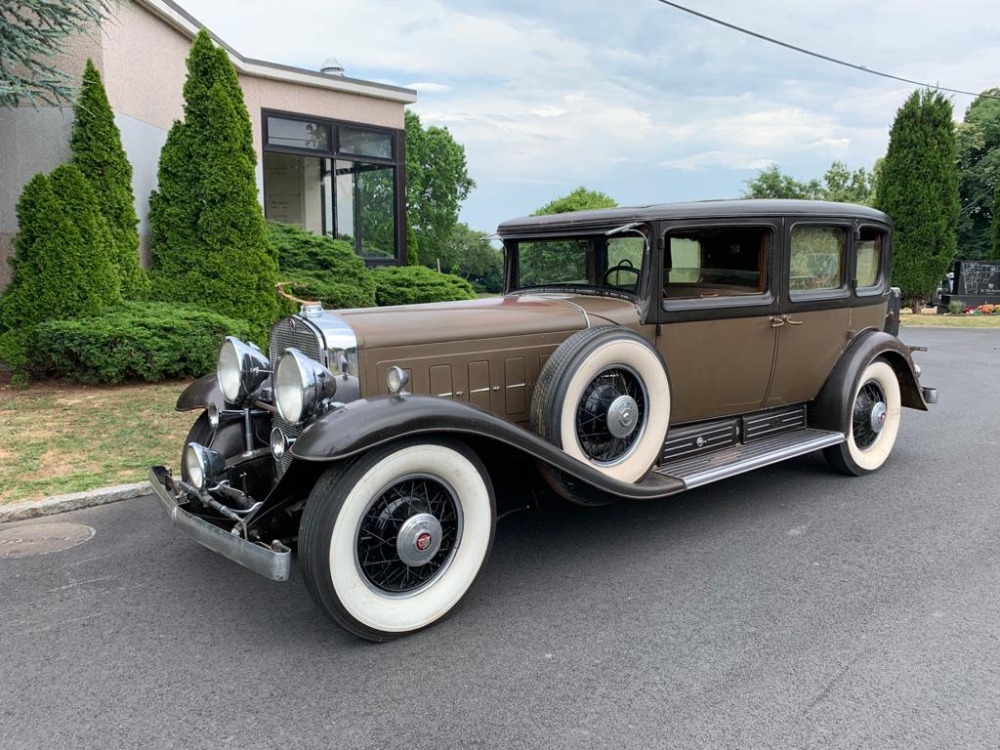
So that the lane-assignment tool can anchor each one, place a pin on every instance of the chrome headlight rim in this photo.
(300, 385)
(203, 466)
(241, 368)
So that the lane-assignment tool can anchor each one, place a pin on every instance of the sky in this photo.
(631, 97)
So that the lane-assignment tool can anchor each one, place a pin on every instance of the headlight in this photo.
(241, 369)
(203, 465)
(300, 385)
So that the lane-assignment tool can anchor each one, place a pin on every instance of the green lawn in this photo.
(60, 438)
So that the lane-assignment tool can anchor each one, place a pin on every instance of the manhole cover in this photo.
(42, 538)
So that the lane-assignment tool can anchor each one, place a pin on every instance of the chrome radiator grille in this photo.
(293, 332)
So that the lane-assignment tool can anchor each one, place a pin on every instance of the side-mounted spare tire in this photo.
(604, 398)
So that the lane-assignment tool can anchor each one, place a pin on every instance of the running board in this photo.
(728, 462)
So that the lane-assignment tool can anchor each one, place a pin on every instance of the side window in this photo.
(870, 252)
(817, 259)
(716, 262)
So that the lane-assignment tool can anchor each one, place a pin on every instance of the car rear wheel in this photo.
(391, 541)
(876, 408)
(604, 398)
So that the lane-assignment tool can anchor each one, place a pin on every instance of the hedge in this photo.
(408, 285)
(135, 341)
(321, 268)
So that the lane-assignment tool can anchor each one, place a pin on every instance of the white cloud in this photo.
(586, 91)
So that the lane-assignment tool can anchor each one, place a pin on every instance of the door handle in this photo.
(792, 322)
(776, 321)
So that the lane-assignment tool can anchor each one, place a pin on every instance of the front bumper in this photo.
(274, 562)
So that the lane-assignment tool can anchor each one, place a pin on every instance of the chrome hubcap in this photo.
(419, 539)
(878, 416)
(623, 416)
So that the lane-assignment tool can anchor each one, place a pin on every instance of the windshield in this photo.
(594, 261)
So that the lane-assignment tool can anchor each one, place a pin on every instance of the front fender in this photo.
(364, 424)
(832, 408)
(200, 394)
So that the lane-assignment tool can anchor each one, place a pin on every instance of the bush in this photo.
(956, 307)
(321, 268)
(62, 253)
(409, 285)
(135, 341)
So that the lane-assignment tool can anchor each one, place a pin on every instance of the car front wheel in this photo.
(391, 541)
(875, 413)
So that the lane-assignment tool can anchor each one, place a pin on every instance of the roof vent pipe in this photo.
(332, 67)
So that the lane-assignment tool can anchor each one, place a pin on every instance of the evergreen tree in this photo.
(97, 150)
(32, 33)
(918, 188)
(995, 254)
(63, 253)
(209, 242)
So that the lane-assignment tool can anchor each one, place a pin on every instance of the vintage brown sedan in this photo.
(637, 353)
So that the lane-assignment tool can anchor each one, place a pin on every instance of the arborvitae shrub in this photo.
(408, 285)
(97, 150)
(918, 188)
(209, 242)
(62, 253)
(322, 268)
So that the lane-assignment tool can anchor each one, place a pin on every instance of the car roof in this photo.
(712, 209)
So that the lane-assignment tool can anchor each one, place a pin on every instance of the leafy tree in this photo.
(580, 199)
(773, 183)
(208, 232)
(97, 150)
(470, 255)
(838, 184)
(63, 253)
(978, 138)
(918, 188)
(437, 181)
(32, 32)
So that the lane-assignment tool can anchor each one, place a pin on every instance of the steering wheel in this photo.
(624, 266)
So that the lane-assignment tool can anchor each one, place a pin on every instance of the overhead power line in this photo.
(818, 55)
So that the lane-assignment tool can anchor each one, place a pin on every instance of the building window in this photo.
(341, 180)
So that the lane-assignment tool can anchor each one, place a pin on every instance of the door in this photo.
(815, 309)
(716, 335)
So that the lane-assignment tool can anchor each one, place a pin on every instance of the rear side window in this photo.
(817, 259)
(871, 249)
(716, 262)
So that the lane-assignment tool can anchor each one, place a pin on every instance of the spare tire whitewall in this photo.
(604, 398)
(390, 542)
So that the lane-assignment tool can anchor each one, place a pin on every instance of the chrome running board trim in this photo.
(738, 459)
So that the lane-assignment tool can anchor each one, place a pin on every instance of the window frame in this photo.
(880, 285)
(735, 306)
(829, 297)
(397, 162)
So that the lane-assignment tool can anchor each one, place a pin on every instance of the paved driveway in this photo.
(789, 608)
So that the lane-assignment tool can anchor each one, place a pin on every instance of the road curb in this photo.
(74, 501)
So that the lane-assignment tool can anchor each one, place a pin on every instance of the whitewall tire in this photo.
(875, 410)
(604, 398)
(391, 541)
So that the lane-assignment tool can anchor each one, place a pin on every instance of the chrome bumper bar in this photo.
(274, 562)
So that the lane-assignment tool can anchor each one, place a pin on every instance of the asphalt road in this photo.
(789, 608)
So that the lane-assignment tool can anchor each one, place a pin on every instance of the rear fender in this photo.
(832, 408)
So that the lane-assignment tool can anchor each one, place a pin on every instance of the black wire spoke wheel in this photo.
(408, 535)
(869, 415)
(610, 415)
